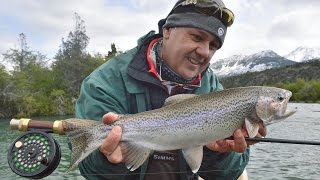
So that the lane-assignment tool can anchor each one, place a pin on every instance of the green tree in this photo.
(21, 56)
(94, 61)
(306, 91)
(3, 77)
(30, 90)
(61, 103)
(23, 86)
(6, 104)
(70, 65)
(114, 52)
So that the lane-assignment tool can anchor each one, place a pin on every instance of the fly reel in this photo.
(34, 155)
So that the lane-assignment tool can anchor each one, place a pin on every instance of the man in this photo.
(175, 61)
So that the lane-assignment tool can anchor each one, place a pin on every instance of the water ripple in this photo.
(289, 161)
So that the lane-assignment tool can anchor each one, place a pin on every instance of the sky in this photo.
(278, 25)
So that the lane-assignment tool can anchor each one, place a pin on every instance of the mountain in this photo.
(308, 70)
(239, 64)
(301, 54)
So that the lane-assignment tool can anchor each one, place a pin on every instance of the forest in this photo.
(34, 88)
(302, 79)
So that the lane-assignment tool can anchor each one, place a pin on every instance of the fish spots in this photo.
(193, 121)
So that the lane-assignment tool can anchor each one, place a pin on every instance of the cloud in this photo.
(46, 22)
(279, 25)
(298, 27)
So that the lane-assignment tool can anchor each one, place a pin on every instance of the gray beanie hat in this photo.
(187, 17)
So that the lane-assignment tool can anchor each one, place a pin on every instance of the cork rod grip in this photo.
(27, 124)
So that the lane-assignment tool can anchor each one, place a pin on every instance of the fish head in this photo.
(272, 104)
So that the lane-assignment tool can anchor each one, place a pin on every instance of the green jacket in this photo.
(112, 88)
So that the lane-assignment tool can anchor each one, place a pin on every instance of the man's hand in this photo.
(238, 144)
(111, 149)
(261, 133)
(110, 146)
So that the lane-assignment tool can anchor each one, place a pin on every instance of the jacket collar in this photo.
(138, 68)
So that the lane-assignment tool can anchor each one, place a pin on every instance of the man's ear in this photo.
(166, 32)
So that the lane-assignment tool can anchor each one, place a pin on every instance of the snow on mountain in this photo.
(267, 53)
(239, 64)
(303, 54)
(229, 65)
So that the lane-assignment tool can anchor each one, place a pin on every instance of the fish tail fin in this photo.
(84, 139)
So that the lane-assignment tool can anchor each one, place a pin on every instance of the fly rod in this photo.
(285, 141)
(57, 127)
(25, 125)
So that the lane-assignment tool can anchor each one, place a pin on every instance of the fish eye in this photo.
(280, 98)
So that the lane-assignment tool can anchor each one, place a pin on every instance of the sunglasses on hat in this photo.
(214, 8)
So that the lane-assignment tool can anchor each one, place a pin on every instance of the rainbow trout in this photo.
(186, 122)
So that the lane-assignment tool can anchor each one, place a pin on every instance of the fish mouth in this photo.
(284, 106)
(272, 106)
(286, 114)
(281, 115)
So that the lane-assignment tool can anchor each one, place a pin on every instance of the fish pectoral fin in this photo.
(178, 98)
(193, 156)
(134, 155)
(252, 127)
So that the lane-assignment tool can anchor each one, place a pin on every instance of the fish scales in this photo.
(187, 121)
(208, 120)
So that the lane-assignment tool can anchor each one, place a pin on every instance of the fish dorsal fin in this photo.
(193, 156)
(252, 127)
(178, 98)
(134, 155)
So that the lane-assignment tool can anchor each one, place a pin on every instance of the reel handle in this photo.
(25, 125)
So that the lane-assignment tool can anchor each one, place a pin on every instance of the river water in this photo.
(8, 136)
(268, 161)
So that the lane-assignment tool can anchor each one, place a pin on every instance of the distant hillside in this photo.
(240, 64)
(301, 54)
(309, 70)
(260, 61)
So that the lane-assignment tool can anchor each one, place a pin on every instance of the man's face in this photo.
(188, 50)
